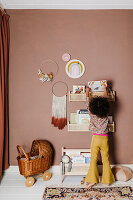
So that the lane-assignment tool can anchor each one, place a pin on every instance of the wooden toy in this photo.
(36, 162)
(82, 182)
(105, 90)
(29, 181)
(47, 176)
(87, 91)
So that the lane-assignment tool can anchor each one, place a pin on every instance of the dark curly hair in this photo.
(99, 106)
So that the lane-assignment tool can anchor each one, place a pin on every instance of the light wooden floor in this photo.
(13, 187)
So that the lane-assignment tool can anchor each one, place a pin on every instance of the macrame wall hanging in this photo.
(47, 76)
(59, 113)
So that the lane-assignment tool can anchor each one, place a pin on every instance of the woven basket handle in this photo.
(20, 149)
(40, 155)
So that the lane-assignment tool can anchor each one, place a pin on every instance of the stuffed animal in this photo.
(122, 173)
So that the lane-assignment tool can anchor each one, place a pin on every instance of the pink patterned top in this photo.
(98, 125)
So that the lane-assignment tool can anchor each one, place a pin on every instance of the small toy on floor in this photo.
(83, 181)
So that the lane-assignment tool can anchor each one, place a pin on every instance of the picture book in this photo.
(78, 159)
(73, 118)
(97, 86)
(83, 117)
(78, 89)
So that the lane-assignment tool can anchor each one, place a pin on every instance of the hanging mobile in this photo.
(43, 77)
(59, 118)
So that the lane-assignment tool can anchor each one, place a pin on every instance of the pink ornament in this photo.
(66, 57)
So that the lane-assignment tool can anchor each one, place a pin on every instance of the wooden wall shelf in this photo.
(78, 127)
(85, 127)
(82, 97)
(111, 95)
(77, 97)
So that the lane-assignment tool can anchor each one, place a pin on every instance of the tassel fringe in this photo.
(59, 122)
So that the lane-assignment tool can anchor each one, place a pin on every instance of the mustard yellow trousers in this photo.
(99, 143)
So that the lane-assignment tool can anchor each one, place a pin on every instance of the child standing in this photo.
(99, 110)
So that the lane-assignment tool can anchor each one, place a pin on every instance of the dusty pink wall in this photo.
(102, 40)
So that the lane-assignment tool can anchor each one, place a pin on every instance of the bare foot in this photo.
(90, 185)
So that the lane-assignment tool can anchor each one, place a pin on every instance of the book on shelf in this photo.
(83, 117)
(83, 111)
(78, 159)
(73, 118)
(97, 86)
(78, 89)
(87, 156)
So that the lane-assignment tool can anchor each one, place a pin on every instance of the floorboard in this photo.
(13, 187)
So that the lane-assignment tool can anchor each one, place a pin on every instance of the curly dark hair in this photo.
(99, 106)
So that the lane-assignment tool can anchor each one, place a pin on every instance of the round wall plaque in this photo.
(75, 68)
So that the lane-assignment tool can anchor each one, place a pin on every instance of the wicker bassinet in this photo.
(37, 161)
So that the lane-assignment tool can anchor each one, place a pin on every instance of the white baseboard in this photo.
(56, 168)
(15, 169)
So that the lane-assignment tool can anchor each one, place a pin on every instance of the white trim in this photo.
(56, 168)
(69, 4)
(15, 169)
